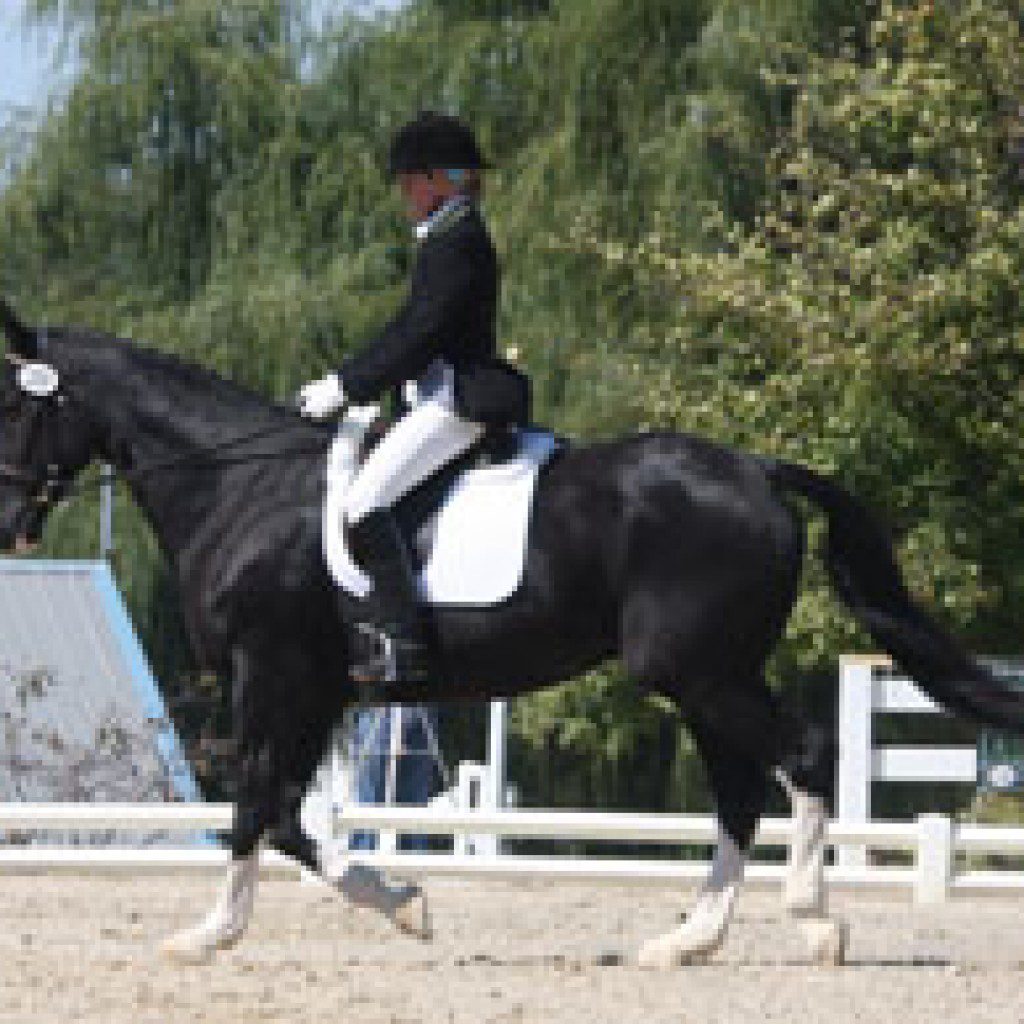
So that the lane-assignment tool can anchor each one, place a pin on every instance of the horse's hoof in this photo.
(179, 950)
(413, 916)
(193, 948)
(826, 939)
(804, 901)
(673, 950)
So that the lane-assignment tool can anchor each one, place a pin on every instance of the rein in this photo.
(55, 481)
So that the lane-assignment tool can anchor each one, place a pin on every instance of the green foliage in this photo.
(869, 321)
(596, 741)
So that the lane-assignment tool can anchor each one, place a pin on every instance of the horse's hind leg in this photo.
(807, 775)
(739, 783)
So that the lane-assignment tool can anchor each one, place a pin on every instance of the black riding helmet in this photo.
(433, 141)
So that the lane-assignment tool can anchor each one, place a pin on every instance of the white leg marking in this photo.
(804, 894)
(804, 890)
(224, 924)
(703, 931)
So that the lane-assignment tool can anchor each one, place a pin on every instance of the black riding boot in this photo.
(390, 643)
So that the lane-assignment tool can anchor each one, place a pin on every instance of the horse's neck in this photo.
(165, 440)
(174, 496)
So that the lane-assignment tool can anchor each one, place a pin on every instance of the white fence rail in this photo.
(934, 842)
(867, 686)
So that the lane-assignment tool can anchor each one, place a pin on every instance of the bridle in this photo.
(51, 486)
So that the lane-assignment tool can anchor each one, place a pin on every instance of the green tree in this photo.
(870, 321)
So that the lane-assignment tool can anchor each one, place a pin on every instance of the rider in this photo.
(441, 349)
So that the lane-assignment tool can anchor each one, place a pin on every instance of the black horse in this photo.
(676, 555)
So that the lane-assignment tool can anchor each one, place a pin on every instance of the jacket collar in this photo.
(450, 211)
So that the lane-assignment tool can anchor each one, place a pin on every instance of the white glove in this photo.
(320, 398)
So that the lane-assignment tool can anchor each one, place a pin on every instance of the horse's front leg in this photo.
(256, 807)
(403, 903)
(226, 921)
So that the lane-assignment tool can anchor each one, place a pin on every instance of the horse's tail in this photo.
(862, 565)
(17, 332)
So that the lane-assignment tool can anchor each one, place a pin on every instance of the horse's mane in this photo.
(192, 380)
(176, 370)
(12, 325)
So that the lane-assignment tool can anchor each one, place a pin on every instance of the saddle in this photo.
(416, 511)
(466, 525)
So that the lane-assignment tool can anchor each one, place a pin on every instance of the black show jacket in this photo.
(449, 314)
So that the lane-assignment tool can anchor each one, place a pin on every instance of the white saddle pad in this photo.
(479, 550)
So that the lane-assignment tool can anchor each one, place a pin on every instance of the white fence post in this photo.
(935, 845)
(868, 684)
(853, 798)
(471, 790)
(493, 796)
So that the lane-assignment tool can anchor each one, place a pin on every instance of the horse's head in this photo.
(46, 436)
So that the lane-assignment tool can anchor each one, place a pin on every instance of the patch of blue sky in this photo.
(28, 62)
(33, 74)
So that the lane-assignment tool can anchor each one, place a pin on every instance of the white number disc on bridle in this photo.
(38, 379)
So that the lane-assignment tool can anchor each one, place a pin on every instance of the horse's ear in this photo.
(21, 338)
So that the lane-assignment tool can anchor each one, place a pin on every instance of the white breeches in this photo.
(421, 442)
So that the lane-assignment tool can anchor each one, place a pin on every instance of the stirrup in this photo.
(377, 661)
(384, 661)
